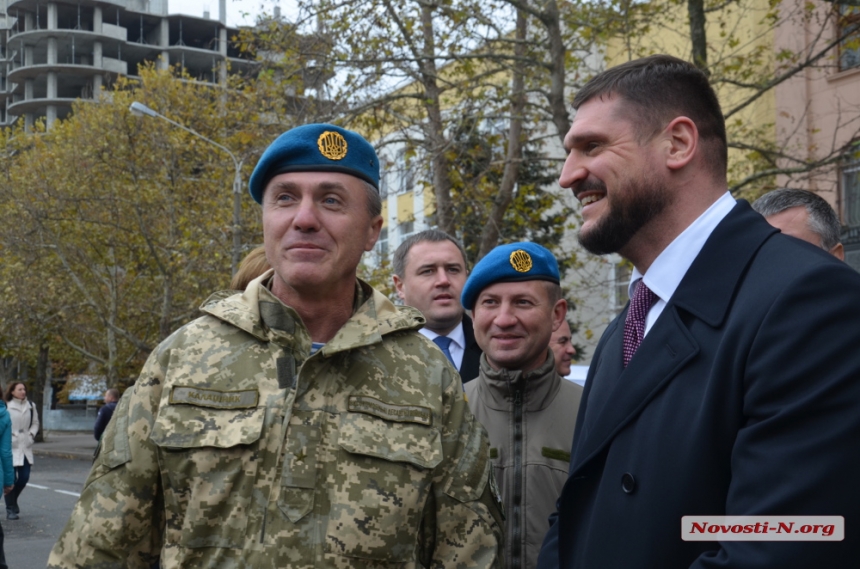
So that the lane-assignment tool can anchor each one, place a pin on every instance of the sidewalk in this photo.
(65, 444)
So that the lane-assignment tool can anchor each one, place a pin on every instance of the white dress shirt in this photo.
(668, 269)
(458, 342)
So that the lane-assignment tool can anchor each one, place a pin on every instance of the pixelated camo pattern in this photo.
(301, 478)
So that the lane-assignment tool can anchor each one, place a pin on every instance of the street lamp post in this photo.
(141, 109)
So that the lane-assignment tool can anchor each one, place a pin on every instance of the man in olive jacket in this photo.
(528, 409)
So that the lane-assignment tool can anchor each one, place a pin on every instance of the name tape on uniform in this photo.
(212, 398)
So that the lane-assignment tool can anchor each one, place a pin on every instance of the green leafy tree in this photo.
(130, 218)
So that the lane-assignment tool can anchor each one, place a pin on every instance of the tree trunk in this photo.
(696, 12)
(435, 129)
(39, 385)
(490, 233)
(557, 55)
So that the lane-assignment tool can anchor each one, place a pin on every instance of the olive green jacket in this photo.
(530, 418)
(235, 448)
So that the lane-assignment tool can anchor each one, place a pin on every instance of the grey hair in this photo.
(374, 200)
(431, 235)
(823, 221)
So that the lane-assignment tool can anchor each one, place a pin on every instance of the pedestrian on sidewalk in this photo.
(106, 412)
(7, 472)
(25, 425)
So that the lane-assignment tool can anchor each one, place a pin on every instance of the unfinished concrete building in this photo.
(57, 52)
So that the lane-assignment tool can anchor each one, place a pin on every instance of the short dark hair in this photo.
(660, 88)
(823, 221)
(113, 392)
(553, 292)
(431, 235)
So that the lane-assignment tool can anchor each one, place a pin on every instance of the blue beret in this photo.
(522, 261)
(315, 148)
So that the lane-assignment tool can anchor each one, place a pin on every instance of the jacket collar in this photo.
(538, 386)
(260, 313)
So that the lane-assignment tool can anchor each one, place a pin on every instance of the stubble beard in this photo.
(642, 201)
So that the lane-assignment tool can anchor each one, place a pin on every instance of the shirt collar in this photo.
(668, 269)
(457, 335)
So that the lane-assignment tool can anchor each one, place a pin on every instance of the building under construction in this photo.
(57, 52)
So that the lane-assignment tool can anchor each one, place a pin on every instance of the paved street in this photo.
(45, 504)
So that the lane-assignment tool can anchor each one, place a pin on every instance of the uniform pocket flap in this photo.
(397, 442)
(189, 426)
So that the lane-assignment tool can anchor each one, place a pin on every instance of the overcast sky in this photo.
(239, 12)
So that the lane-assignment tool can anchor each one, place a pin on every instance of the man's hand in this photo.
(7, 489)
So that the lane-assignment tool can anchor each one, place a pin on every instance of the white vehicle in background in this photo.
(577, 374)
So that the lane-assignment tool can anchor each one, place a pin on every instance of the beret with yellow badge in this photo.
(523, 261)
(316, 148)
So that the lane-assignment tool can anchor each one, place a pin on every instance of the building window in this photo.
(406, 168)
(851, 191)
(382, 244)
(849, 25)
(621, 272)
(384, 176)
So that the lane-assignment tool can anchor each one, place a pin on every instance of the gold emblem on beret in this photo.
(521, 261)
(332, 145)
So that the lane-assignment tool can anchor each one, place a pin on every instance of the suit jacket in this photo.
(743, 399)
(470, 367)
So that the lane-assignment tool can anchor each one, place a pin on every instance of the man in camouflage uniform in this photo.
(302, 423)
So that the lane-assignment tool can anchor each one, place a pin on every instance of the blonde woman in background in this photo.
(25, 425)
(251, 267)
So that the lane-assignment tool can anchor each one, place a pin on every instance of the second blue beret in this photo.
(523, 261)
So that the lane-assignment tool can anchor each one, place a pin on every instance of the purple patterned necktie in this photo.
(634, 327)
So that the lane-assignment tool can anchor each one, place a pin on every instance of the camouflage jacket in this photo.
(236, 449)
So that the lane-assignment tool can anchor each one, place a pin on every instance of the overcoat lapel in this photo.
(618, 395)
(664, 351)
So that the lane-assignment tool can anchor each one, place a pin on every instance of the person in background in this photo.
(562, 348)
(302, 423)
(106, 412)
(7, 471)
(252, 266)
(25, 426)
(429, 274)
(804, 215)
(528, 410)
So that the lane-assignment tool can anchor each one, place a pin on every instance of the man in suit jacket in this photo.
(743, 398)
(429, 274)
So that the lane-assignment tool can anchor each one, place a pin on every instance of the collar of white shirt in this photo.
(458, 342)
(668, 269)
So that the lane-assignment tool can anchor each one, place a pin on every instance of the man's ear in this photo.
(838, 251)
(373, 232)
(682, 138)
(398, 286)
(559, 311)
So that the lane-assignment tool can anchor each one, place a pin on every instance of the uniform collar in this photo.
(538, 386)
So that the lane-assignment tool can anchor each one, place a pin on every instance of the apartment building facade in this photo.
(54, 53)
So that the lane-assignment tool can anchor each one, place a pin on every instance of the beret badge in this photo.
(332, 145)
(521, 261)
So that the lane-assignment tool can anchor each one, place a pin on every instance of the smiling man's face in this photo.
(514, 322)
(612, 174)
(316, 226)
(432, 281)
